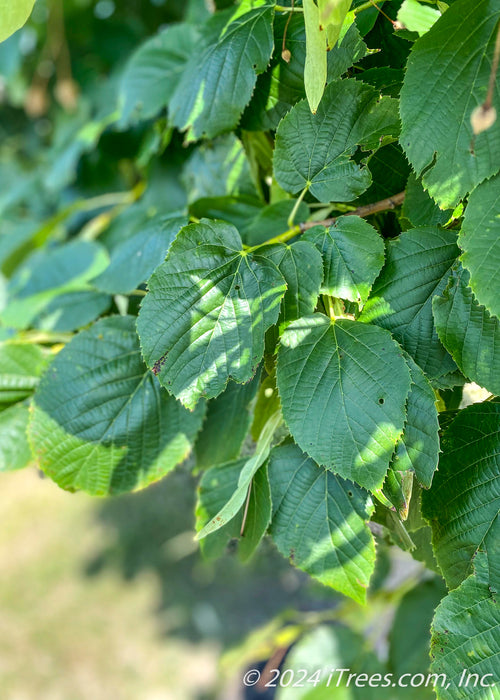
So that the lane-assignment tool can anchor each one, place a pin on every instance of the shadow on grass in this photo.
(152, 531)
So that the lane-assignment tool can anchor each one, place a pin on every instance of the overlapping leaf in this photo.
(228, 415)
(216, 488)
(453, 61)
(207, 311)
(301, 265)
(315, 150)
(232, 505)
(418, 448)
(101, 422)
(319, 522)
(468, 331)
(48, 274)
(353, 255)
(343, 388)
(20, 369)
(480, 241)
(282, 85)
(218, 81)
(153, 71)
(15, 452)
(133, 261)
(465, 497)
(417, 268)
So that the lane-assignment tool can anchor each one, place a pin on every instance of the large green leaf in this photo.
(15, 452)
(320, 522)
(13, 15)
(480, 241)
(417, 268)
(227, 415)
(343, 388)
(207, 310)
(453, 61)
(20, 369)
(153, 71)
(466, 639)
(216, 488)
(101, 422)
(353, 255)
(465, 496)
(418, 448)
(315, 150)
(133, 261)
(218, 81)
(48, 274)
(301, 265)
(468, 331)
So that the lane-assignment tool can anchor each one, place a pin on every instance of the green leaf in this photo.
(71, 311)
(13, 15)
(207, 311)
(218, 81)
(282, 85)
(153, 72)
(409, 639)
(468, 331)
(417, 268)
(218, 168)
(466, 640)
(465, 496)
(418, 448)
(101, 422)
(232, 506)
(480, 241)
(320, 522)
(323, 652)
(267, 403)
(332, 14)
(301, 265)
(315, 66)
(271, 221)
(216, 487)
(353, 255)
(343, 387)
(15, 451)
(46, 275)
(228, 416)
(133, 261)
(417, 17)
(20, 369)
(419, 208)
(315, 150)
(456, 51)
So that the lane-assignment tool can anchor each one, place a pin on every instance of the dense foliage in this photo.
(268, 235)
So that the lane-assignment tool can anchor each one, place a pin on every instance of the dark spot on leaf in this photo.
(236, 286)
(381, 400)
(349, 493)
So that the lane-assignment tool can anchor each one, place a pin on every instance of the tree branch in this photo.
(365, 210)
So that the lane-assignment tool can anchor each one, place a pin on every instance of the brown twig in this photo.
(365, 210)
